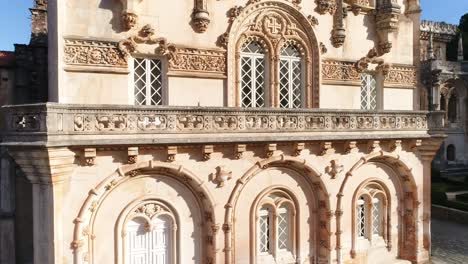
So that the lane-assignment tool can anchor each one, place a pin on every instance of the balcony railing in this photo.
(62, 124)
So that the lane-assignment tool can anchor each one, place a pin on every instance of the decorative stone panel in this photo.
(93, 55)
(198, 63)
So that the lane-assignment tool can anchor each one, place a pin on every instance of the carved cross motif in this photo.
(273, 25)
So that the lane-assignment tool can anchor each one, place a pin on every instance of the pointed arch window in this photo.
(371, 214)
(275, 219)
(252, 75)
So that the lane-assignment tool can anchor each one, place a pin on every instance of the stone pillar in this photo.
(426, 151)
(460, 55)
(47, 169)
(7, 209)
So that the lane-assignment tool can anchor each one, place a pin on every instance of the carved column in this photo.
(48, 169)
(339, 32)
(426, 151)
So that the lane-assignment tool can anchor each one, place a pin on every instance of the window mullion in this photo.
(290, 88)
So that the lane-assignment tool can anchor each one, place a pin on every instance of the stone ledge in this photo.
(450, 214)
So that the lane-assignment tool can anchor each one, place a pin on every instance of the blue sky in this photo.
(15, 17)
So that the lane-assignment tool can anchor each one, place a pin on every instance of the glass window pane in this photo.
(252, 75)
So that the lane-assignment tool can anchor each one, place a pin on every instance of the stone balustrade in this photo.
(63, 124)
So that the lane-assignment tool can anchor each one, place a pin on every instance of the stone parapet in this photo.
(67, 125)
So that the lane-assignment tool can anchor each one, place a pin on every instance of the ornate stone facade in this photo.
(150, 150)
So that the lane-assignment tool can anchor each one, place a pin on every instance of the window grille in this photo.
(264, 230)
(290, 78)
(284, 229)
(148, 83)
(361, 217)
(376, 217)
(368, 92)
(252, 75)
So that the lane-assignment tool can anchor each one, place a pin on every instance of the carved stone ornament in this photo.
(89, 156)
(221, 176)
(129, 20)
(387, 20)
(323, 48)
(200, 20)
(340, 71)
(334, 168)
(313, 20)
(359, 6)
(197, 61)
(401, 76)
(200, 16)
(129, 15)
(372, 57)
(146, 35)
(325, 6)
(81, 52)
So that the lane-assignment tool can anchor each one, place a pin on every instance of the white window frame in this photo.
(164, 80)
(290, 60)
(366, 100)
(253, 57)
(361, 219)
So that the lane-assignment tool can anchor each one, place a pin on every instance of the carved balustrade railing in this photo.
(43, 122)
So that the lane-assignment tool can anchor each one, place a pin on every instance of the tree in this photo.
(452, 47)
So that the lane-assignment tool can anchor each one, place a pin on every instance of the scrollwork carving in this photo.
(146, 36)
(198, 61)
(93, 53)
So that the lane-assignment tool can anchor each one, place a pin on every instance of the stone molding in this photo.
(440, 31)
(345, 72)
(93, 55)
(34, 122)
(334, 71)
(401, 76)
(198, 63)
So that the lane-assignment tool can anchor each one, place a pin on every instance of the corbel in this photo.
(395, 145)
(171, 153)
(350, 147)
(270, 149)
(326, 148)
(132, 154)
(239, 150)
(129, 15)
(207, 151)
(200, 16)
(90, 156)
(298, 148)
(373, 146)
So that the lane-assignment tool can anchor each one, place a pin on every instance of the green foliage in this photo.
(452, 47)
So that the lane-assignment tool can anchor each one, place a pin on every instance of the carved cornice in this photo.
(441, 31)
(95, 53)
(198, 62)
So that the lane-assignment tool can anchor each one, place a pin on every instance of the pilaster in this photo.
(426, 151)
(47, 169)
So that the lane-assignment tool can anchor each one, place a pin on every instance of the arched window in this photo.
(275, 228)
(252, 75)
(452, 109)
(290, 77)
(150, 235)
(442, 102)
(451, 153)
(371, 214)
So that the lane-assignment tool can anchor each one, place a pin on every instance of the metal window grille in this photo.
(376, 217)
(361, 218)
(368, 92)
(290, 78)
(148, 81)
(284, 229)
(252, 75)
(264, 223)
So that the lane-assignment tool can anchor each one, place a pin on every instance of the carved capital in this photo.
(45, 165)
(132, 153)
